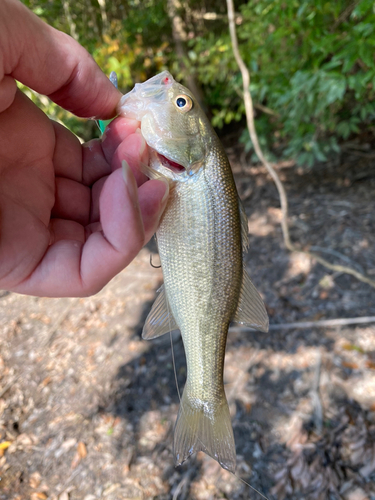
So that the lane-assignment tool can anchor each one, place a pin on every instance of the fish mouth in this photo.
(170, 164)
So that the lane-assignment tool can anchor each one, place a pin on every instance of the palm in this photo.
(51, 202)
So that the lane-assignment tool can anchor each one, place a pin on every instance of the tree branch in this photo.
(249, 109)
(322, 323)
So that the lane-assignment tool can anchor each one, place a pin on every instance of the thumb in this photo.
(129, 217)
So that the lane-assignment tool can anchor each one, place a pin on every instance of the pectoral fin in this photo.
(251, 310)
(159, 320)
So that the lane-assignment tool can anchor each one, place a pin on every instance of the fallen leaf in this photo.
(46, 381)
(111, 489)
(38, 496)
(248, 407)
(75, 461)
(352, 347)
(35, 479)
(348, 364)
(82, 451)
(5, 444)
(25, 440)
(356, 494)
(68, 444)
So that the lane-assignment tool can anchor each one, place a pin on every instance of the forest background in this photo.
(312, 63)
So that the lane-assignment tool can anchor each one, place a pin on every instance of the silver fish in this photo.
(202, 239)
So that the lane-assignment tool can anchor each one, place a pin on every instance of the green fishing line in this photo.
(102, 124)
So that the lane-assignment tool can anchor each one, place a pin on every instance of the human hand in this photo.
(70, 217)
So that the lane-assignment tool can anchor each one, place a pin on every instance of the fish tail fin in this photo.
(201, 428)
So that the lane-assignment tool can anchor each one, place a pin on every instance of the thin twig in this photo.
(335, 253)
(249, 109)
(316, 324)
(9, 385)
(344, 15)
(315, 396)
(182, 484)
(259, 106)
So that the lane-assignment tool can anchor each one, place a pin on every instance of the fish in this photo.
(202, 239)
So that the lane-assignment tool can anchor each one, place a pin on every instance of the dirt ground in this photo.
(87, 407)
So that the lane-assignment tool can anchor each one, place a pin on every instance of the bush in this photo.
(311, 61)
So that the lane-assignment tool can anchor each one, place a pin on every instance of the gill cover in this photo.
(172, 123)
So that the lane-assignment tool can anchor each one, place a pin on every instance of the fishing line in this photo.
(249, 485)
(174, 367)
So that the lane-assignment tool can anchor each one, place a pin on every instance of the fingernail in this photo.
(128, 177)
(143, 144)
(166, 194)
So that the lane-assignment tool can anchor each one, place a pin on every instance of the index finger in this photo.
(52, 63)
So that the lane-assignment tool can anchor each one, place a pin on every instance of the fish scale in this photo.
(201, 239)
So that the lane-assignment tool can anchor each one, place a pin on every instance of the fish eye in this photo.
(183, 103)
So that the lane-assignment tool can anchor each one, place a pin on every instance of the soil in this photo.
(87, 407)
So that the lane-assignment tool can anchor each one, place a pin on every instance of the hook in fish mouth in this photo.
(172, 165)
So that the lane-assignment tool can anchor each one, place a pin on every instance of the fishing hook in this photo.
(152, 265)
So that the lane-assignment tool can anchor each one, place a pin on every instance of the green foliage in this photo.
(316, 61)
(312, 61)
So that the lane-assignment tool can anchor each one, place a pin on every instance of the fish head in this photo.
(172, 122)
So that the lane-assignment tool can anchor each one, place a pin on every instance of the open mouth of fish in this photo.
(172, 165)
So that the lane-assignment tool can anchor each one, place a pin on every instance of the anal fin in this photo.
(160, 319)
(251, 310)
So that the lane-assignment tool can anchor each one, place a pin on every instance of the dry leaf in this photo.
(64, 496)
(38, 496)
(5, 444)
(248, 407)
(348, 364)
(24, 440)
(111, 489)
(357, 494)
(46, 381)
(82, 451)
(69, 443)
(35, 479)
(75, 461)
